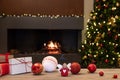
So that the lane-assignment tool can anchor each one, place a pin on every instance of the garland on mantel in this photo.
(39, 15)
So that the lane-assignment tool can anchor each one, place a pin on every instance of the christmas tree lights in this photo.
(102, 44)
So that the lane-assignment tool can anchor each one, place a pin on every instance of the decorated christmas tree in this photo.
(102, 43)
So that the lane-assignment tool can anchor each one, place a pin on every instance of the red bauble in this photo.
(115, 76)
(75, 67)
(116, 37)
(101, 45)
(97, 0)
(106, 60)
(101, 73)
(91, 68)
(37, 68)
(109, 33)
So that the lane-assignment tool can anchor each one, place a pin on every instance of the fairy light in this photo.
(94, 23)
(113, 8)
(107, 56)
(41, 15)
(113, 58)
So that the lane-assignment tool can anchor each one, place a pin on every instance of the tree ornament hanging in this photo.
(101, 26)
(84, 57)
(106, 60)
(97, 0)
(116, 37)
(105, 5)
(103, 35)
(98, 7)
(101, 45)
(101, 15)
(109, 33)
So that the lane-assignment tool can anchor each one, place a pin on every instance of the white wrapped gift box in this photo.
(20, 65)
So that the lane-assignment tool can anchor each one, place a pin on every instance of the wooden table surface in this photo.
(83, 75)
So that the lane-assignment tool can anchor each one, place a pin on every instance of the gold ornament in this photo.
(103, 35)
(94, 17)
(116, 17)
(84, 57)
(98, 37)
(111, 21)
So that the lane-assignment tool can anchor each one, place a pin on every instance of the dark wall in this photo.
(50, 7)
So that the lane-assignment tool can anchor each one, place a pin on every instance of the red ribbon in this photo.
(4, 68)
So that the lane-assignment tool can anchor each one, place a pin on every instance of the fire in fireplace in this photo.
(52, 47)
(44, 41)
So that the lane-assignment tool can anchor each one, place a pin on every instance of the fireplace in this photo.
(33, 40)
(28, 34)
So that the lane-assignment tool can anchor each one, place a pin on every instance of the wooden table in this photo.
(83, 75)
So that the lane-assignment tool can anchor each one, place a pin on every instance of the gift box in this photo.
(5, 57)
(20, 65)
(4, 68)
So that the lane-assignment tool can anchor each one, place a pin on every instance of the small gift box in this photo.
(4, 68)
(20, 65)
(5, 57)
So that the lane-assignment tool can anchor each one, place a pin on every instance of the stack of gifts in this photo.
(10, 65)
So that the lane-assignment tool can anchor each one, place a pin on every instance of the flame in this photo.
(52, 45)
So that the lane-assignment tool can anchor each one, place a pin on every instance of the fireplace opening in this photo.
(34, 40)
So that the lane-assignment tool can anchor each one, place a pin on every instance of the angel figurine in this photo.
(64, 69)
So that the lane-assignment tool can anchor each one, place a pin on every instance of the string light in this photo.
(42, 16)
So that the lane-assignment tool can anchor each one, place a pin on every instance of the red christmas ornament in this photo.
(97, 0)
(91, 68)
(101, 25)
(98, 6)
(109, 33)
(75, 68)
(101, 45)
(115, 76)
(106, 60)
(106, 6)
(37, 68)
(116, 37)
(101, 73)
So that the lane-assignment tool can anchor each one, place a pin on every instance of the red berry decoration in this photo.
(37, 68)
(115, 76)
(101, 73)
(91, 68)
(75, 68)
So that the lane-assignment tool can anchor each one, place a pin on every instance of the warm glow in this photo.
(53, 47)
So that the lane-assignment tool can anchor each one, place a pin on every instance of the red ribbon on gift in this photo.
(4, 68)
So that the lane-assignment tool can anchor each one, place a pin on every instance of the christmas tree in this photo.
(102, 43)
